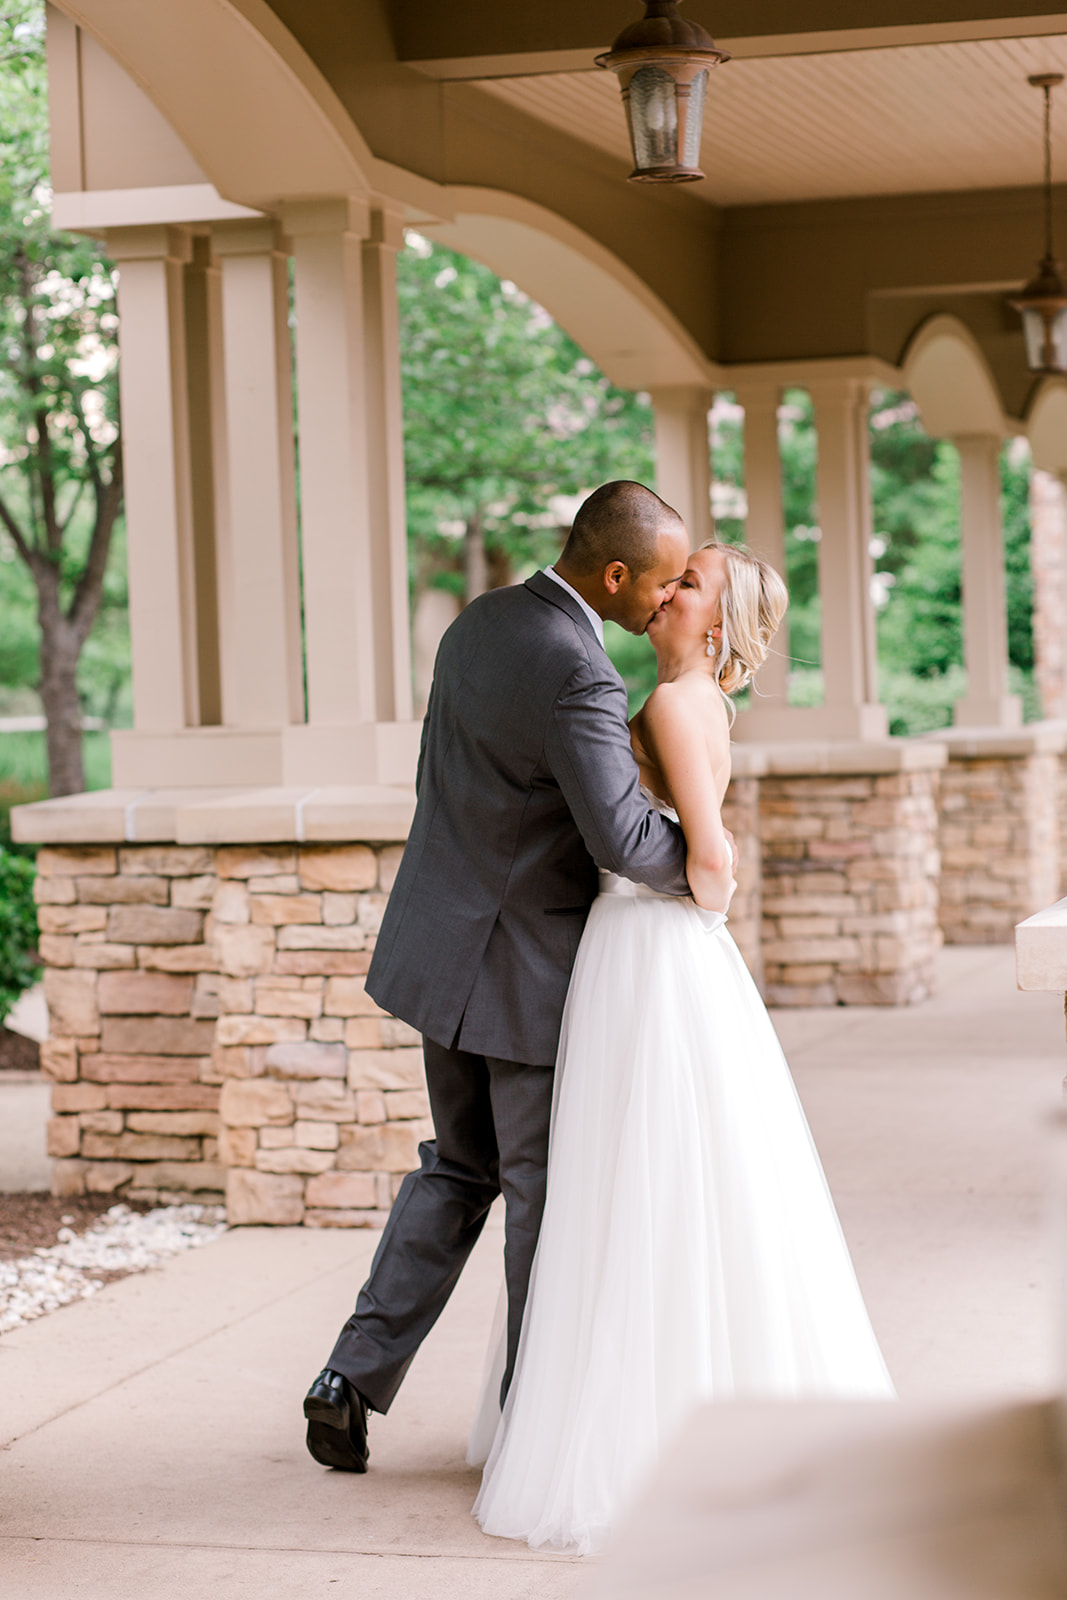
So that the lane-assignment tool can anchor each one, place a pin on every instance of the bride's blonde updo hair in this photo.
(754, 601)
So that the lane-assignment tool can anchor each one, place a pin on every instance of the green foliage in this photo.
(19, 967)
(1019, 582)
(104, 684)
(24, 762)
(507, 425)
(60, 458)
(634, 660)
(798, 447)
(24, 774)
(57, 315)
(915, 491)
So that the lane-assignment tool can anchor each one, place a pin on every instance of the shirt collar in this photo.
(598, 625)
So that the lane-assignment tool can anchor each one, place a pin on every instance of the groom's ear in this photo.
(615, 575)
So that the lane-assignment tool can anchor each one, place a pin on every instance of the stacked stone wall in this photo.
(323, 1095)
(850, 870)
(740, 813)
(132, 995)
(1000, 832)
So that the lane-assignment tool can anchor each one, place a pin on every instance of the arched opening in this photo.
(949, 379)
(601, 303)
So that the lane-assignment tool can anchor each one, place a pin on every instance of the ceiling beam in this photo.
(470, 39)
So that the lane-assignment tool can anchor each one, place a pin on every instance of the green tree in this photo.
(506, 424)
(60, 451)
(19, 962)
(916, 498)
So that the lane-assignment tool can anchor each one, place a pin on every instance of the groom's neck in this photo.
(590, 587)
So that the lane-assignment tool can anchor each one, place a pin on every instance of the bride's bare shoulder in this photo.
(693, 697)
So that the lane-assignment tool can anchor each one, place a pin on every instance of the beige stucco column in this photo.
(385, 470)
(987, 702)
(1048, 560)
(850, 708)
(157, 478)
(204, 382)
(765, 519)
(843, 496)
(683, 455)
(359, 726)
(258, 561)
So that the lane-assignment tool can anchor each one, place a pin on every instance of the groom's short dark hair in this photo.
(620, 521)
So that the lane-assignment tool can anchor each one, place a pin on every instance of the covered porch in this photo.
(208, 921)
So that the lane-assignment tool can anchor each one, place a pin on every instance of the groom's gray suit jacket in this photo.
(526, 785)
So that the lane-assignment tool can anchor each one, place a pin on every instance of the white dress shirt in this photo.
(598, 625)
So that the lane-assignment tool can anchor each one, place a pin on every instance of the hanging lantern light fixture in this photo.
(1043, 302)
(662, 64)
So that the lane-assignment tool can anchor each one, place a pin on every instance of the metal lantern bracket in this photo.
(1043, 302)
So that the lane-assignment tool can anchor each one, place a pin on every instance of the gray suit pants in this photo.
(491, 1119)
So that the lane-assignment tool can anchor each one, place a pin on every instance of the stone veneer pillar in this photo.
(741, 814)
(323, 1097)
(132, 997)
(850, 873)
(1001, 829)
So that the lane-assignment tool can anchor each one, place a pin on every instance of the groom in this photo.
(526, 785)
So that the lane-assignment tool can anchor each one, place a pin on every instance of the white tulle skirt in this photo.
(690, 1249)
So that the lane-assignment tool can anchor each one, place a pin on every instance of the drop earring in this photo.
(712, 648)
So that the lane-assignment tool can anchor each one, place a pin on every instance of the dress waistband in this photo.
(623, 889)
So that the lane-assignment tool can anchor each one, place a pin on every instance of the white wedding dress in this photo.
(690, 1249)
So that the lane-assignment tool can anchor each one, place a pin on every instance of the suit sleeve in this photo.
(587, 748)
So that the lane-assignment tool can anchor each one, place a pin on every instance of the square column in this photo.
(1048, 560)
(385, 470)
(765, 522)
(850, 708)
(259, 564)
(203, 325)
(849, 652)
(352, 508)
(152, 375)
(987, 703)
(683, 456)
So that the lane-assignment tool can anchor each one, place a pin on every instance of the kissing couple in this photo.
(595, 1047)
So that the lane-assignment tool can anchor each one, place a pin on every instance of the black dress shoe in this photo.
(337, 1423)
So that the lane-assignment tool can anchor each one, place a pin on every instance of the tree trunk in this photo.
(475, 565)
(498, 568)
(59, 694)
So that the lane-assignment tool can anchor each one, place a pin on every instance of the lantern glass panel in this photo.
(653, 118)
(1046, 339)
(694, 120)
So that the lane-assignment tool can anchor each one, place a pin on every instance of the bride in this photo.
(689, 1249)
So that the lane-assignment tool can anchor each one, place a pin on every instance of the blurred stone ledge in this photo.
(219, 816)
(840, 1500)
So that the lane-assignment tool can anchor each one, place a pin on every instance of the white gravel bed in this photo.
(120, 1241)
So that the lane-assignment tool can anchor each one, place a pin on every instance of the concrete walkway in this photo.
(153, 1434)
